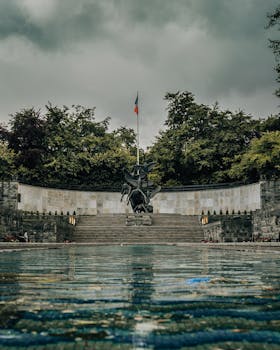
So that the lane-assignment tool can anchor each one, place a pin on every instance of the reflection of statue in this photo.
(139, 189)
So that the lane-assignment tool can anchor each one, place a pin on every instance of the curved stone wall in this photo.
(240, 198)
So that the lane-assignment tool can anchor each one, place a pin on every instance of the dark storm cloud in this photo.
(83, 20)
(239, 19)
(74, 21)
(13, 22)
(100, 53)
(71, 22)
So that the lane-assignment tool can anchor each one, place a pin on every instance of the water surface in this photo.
(139, 297)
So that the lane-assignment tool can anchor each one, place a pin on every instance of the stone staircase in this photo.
(165, 228)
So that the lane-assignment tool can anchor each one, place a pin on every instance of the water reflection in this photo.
(141, 287)
(139, 297)
(10, 290)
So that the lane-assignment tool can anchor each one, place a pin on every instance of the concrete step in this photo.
(165, 228)
(157, 220)
(111, 235)
(134, 234)
(139, 228)
(143, 234)
(140, 241)
(136, 223)
(169, 219)
(102, 221)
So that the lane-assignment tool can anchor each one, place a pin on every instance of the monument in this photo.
(139, 189)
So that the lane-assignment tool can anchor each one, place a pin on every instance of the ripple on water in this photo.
(139, 297)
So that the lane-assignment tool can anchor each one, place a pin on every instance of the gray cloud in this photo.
(70, 22)
(240, 19)
(73, 21)
(99, 53)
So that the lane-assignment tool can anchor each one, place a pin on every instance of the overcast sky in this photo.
(100, 52)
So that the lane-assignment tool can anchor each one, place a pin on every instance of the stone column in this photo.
(9, 195)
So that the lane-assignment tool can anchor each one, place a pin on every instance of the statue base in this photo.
(138, 220)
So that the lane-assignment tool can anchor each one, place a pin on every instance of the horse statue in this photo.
(139, 189)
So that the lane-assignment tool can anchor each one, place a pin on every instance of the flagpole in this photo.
(138, 133)
(138, 154)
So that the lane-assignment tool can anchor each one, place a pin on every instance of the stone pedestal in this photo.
(138, 220)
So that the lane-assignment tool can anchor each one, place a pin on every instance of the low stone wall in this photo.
(235, 199)
(213, 232)
(266, 226)
(34, 198)
(240, 198)
(262, 200)
(39, 228)
(228, 228)
(266, 220)
(270, 195)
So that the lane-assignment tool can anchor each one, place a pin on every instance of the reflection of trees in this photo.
(268, 274)
(142, 275)
(9, 287)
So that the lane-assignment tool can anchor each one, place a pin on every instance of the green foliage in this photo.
(261, 160)
(7, 159)
(272, 123)
(200, 142)
(127, 138)
(26, 138)
(67, 146)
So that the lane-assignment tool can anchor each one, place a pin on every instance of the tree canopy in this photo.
(200, 142)
(67, 147)
(261, 160)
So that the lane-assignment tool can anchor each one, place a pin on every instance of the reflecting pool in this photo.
(139, 297)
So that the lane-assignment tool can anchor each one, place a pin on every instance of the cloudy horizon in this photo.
(100, 53)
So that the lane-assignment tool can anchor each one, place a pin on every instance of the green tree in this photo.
(67, 147)
(82, 151)
(200, 142)
(261, 160)
(69, 137)
(26, 139)
(126, 137)
(272, 123)
(7, 159)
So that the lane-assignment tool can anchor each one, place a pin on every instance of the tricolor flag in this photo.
(136, 110)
